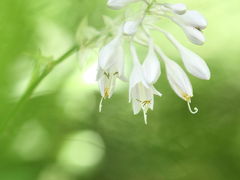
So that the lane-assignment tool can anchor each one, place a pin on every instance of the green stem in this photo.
(31, 88)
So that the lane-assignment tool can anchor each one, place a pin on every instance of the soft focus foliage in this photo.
(58, 133)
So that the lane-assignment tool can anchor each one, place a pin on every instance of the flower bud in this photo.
(176, 8)
(118, 4)
(194, 35)
(194, 19)
(130, 27)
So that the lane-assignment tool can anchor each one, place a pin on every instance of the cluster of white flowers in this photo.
(145, 75)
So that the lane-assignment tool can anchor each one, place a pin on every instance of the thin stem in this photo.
(31, 88)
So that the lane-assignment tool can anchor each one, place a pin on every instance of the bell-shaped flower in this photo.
(118, 4)
(176, 8)
(178, 80)
(192, 23)
(194, 64)
(130, 27)
(110, 67)
(141, 93)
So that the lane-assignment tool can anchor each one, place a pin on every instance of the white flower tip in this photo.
(114, 5)
(205, 75)
(201, 22)
(195, 64)
(195, 19)
(177, 8)
(194, 35)
(118, 4)
(130, 27)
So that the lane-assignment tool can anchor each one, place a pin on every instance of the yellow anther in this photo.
(106, 92)
(186, 97)
(146, 102)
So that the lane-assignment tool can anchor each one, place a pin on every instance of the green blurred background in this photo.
(58, 133)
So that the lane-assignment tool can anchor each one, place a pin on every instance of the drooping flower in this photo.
(193, 18)
(141, 91)
(118, 4)
(143, 76)
(192, 23)
(194, 64)
(178, 80)
(176, 8)
(110, 67)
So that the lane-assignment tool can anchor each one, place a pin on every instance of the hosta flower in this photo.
(144, 75)
(118, 4)
(141, 89)
(110, 67)
(194, 64)
(178, 80)
(176, 8)
(192, 23)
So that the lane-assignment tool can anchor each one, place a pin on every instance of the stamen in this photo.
(106, 92)
(146, 102)
(107, 75)
(100, 104)
(145, 117)
(190, 109)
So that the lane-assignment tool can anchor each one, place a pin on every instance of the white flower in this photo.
(141, 93)
(178, 80)
(176, 8)
(193, 63)
(110, 67)
(130, 27)
(194, 19)
(192, 23)
(118, 4)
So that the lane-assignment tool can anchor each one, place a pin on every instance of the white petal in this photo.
(177, 8)
(193, 63)
(107, 55)
(137, 74)
(134, 96)
(136, 107)
(178, 80)
(118, 62)
(118, 4)
(107, 84)
(100, 73)
(194, 35)
(130, 27)
(194, 19)
(156, 92)
(102, 84)
(151, 66)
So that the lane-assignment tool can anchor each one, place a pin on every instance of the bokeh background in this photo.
(58, 134)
